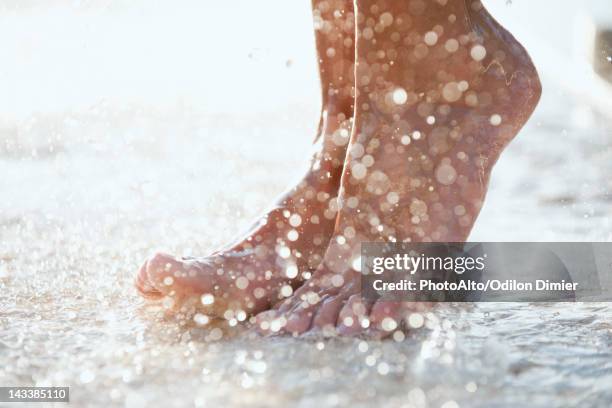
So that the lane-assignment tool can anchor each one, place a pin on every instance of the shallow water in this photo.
(87, 193)
(84, 210)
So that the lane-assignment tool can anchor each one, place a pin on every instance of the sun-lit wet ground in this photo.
(88, 192)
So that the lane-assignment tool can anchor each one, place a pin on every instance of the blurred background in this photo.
(133, 125)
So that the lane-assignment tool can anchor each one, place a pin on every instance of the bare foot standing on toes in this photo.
(288, 243)
(441, 89)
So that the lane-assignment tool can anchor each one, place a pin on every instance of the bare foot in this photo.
(277, 253)
(288, 243)
(442, 88)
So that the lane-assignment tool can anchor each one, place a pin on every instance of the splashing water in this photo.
(70, 248)
(86, 195)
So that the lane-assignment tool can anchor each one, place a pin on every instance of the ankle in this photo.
(339, 104)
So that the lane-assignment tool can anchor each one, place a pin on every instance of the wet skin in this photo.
(288, 242)
(441, 89)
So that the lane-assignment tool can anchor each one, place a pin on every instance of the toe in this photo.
(326, 317)
(289, 303)
(141, 282)
(166, 273)
(354, 316)
(268, 322)
(385, 318)
(300, 319)
(160, 269)
(301, 295)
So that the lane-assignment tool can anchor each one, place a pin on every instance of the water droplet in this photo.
(207, 299)
(383, 368)
(386, 19)
(291, 271)
(201, 319)
(388, 324)
(293, 235)
(471, 386)
(284, 252)
(295, 220)
(286, 291)
(392, 197)
(495, 120)
(400, 96)
(242, 283)
(451, 45)
(358, 171)
(446, 174)
(451, 92)
(259, 293)
(215, 334)
(356, 264)
(431, 38)
(416, 320)
(478, 52)
(337, 280)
